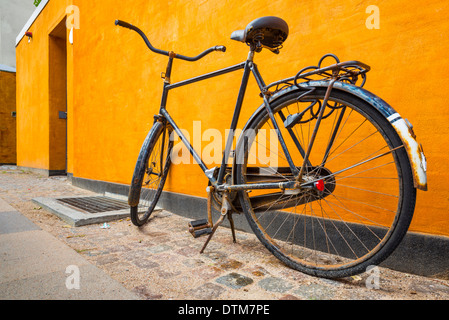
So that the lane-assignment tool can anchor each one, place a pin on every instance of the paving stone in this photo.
(333, 282)
(188, 251)
(167, 258)
(428, 288)
(120, 234)
(235, 280)
(93, 252)
(119, 267)
(275, 285)
(110, 258)
(165, 274)
(146, 293)
(158, 234)
(207, 272)
(314, 292)
(215, 255)
(208, 291)
(145, 263)
(159, 248)
(193, 263)
(136, 255)
(258, 271)
(118, 248)
(230, 264)
(289, 297)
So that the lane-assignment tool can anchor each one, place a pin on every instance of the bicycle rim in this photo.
(359, 198)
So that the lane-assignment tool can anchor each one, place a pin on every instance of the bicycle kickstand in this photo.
(226, 210)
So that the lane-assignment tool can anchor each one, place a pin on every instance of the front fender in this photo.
(402, 127)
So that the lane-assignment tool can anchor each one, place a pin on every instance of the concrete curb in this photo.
(76, 218)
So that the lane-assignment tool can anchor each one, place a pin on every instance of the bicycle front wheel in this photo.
(356, 198)
(150, 173)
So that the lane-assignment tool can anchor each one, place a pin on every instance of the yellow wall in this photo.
(115, 86)
(7, 122)
(37, 117)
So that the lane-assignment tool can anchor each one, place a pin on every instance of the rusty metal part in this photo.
(216, 225)
(216, 196)
(199, 227)
(209, 190)
(226, 211)
(204, 226)
(201, 232)
(266, 93)
(172, 55)
(414, 150)
(231, 222)
(282, 197)
(159, 118)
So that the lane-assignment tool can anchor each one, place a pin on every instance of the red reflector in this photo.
(319, 185)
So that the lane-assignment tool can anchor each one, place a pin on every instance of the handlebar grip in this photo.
(124, 24)
(220, 48)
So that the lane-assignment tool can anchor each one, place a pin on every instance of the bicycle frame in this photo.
(248, 67)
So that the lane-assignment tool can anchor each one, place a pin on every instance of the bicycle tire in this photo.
(144, 193)
(322, 234)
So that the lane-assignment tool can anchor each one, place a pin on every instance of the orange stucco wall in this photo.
(115, 86)
(37, 116)
(7, 121)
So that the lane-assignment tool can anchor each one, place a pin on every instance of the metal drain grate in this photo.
(95, 204)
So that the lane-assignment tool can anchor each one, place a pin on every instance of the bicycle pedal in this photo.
(199, 227)
(201, 232)
(198, 223)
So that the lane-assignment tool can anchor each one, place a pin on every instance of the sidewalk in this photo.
(34, 265)
(159, 261)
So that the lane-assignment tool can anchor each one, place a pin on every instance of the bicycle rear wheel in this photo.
(150, 173)
(357, 196)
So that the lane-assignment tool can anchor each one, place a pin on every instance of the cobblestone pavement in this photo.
(162, 260)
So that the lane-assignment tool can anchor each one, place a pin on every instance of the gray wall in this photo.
(13, 16)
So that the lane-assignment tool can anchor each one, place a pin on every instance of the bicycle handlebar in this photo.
(163, 52)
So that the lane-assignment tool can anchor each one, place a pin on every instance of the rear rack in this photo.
(349, 71)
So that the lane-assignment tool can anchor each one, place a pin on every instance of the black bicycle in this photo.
(325, 171)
